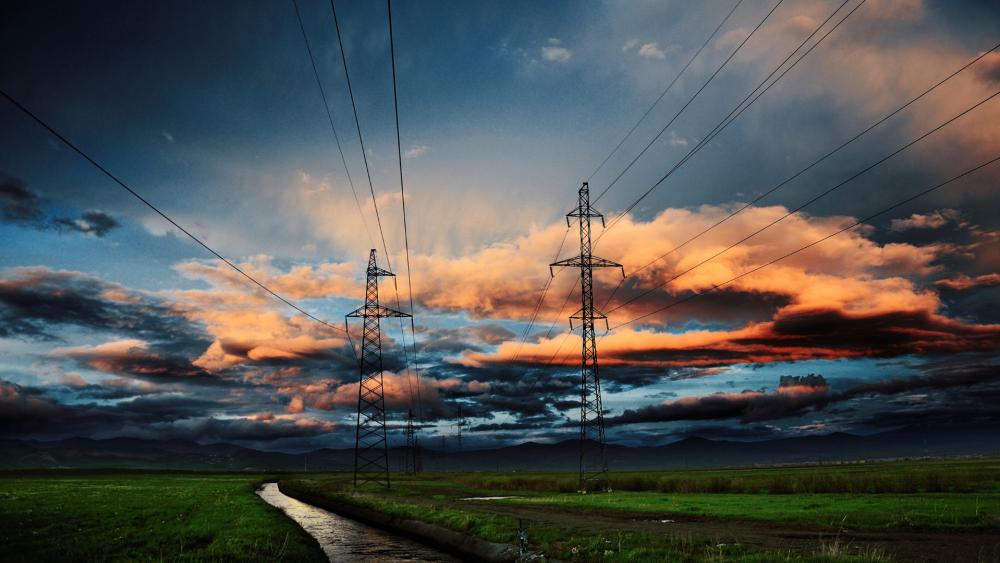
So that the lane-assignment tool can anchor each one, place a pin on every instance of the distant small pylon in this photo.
(411, 452)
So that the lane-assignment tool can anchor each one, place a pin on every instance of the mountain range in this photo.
(134, 453)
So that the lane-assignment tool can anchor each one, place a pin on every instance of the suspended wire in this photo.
(548, 282)
(809, 202)
(402, 195)
(736, 112)
(157, 210)
(813, 164)
(371, 186)
(361, 140)
(329, 117)
(667, 89)
(733, 115)
(854, 225)
(689, 102)
(816, 242)
(541, 298)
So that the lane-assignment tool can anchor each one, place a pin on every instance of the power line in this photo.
(733, 115)
(737, 110)
(155, 209)
(329, 117)
(541, 298)
(813, 164)
(361, 140)
(548, 282)
(371, 187)
(690, 101)
(809, 202)
(667, 89)
(815, 242)
(402, 196)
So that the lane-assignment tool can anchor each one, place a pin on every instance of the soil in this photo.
(898, 545)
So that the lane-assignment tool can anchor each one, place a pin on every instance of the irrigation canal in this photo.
(345, 540)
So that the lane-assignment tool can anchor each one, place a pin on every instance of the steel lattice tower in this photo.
(411, 452)
(371, 452)
(593, 450)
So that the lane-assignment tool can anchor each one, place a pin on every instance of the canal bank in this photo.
(344, 540)
(466, 547)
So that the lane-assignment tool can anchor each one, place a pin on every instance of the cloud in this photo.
(23, 207)
(797, 394)
(167, 136)
(92, 222)
(989, 68)
(30, 412)
(652, 51)
(19, 205)
(416, 151)
(629, 45)
(965, 283)
(34, 302)
(793, 335)
(934, 220)
(555, 52)
(133, 358)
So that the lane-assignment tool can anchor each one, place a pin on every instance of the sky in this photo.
(113, 323)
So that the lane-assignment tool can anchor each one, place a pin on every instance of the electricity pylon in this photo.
(411, 452)
(460, 425)
(593, 449)
(371, 451)
(458, 435)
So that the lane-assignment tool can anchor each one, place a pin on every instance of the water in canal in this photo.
(345, 540)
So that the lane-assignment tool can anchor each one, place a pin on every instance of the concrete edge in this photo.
(469, 548)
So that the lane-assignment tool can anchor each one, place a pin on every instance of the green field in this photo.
(902, 511)
(145, 517)
(736, 514)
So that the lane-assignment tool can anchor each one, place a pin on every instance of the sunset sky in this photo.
(112, 323)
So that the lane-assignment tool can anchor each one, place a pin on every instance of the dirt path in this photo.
(900, 545)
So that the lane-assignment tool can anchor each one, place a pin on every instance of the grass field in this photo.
(144, 517)
(721, 515)
(902, 511)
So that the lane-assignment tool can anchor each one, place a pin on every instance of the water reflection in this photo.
(345, 540)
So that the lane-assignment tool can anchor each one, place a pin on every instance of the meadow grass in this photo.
(145, 517)
(944, 495)
(565, 542)
(921, 476)
(855, 511)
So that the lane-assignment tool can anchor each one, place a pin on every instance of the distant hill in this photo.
(132, 453)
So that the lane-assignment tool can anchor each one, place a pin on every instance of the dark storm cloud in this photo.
(35, 301)
(829, 333)
(209, 429)
(730, 307)
(797, 394)
(141, 363)
(30, 411)
(18, 205)
(95, 223)
(23, 207)
(475, 337)
(748, 406)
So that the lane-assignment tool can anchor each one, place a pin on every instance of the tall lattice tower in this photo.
(411, 452)
(371, 451)
(593, 450)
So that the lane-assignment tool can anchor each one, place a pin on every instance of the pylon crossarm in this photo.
(377, 311)
(376, 271)
(597, 262)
